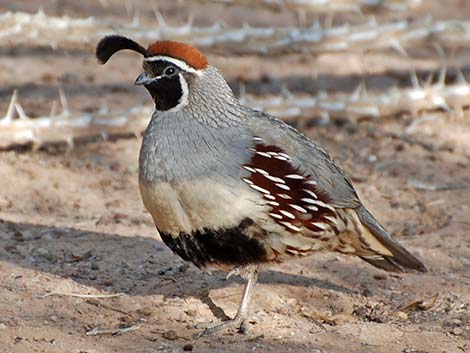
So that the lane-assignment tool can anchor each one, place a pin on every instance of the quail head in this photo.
(233, 188)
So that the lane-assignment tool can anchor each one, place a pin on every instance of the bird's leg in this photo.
(240, 321)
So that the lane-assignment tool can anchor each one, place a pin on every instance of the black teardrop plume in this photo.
(113, 43)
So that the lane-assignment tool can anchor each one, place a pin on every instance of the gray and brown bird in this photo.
(233, 188)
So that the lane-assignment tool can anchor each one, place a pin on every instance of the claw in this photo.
(240, 321)
(234, 272)
(239, 324)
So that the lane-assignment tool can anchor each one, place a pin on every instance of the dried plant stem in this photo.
(327, 7)
(23, 29)
(111, 331)
(68, 126)
(362, 104)
(420, 185)
(86, 296)
(16, 128)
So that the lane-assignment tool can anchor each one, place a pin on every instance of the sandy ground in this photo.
(71, 221)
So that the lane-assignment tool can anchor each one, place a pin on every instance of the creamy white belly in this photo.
(188, 207)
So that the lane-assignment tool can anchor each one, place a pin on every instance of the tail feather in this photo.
(401, 259)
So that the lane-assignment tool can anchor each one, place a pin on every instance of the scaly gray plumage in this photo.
(210, 137)
(197, 182)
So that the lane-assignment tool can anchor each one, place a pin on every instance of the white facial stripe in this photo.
(184, 96)
(179, 63)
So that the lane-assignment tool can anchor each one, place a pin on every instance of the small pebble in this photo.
(379, 276)
(169, 335)
(107, 283)
(44, 254)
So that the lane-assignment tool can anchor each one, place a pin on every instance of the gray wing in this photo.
(367, 239)
(308, 157)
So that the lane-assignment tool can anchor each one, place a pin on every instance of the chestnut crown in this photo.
(111, 44)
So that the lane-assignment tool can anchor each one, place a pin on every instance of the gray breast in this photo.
(176, 148)
(190, 174)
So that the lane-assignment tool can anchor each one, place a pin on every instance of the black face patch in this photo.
(166, 91)
(224, 246)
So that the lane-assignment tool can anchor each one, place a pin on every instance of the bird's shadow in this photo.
(134, 265)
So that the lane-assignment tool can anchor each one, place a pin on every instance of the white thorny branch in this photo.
(325, 6)
(24, 29)
(16, 128)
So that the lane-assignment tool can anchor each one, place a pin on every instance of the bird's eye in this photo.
(170, 70)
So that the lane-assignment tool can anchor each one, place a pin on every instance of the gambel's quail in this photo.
(233, 188)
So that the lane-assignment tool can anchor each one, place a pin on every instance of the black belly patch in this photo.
(224, 246)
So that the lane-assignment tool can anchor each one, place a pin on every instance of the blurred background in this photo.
(380, 84)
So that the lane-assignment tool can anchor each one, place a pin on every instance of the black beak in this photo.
(143, 79)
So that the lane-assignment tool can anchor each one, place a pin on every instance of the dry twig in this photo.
(420, 185)
(24, 29)
(16, 128)
(111, 331)
(322, 6)
(88, 296)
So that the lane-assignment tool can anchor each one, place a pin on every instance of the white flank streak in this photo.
(269, 197)
(311, 182)
(258, 139)
(275, 179)
(287, 214)
(249, 169)
(262, 171)
(294, 176)
(280, 158)
(298, 208)
(282, 186)
(284, 196)
(256, 187)
(291, 226)
(311, 201)
(322, 204)
(275, 215)
(248, 181)
(284, 155)
(179, 63)
(311, 193)
(320, 225)
(312, 208)
(331, 219)
(264, 154)
(274, 203)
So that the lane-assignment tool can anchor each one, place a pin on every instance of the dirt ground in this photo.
(72, 221)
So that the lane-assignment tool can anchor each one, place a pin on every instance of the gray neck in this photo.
(212, 102)
(207, 137)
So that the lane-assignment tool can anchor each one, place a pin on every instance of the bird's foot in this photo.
(238, 323)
